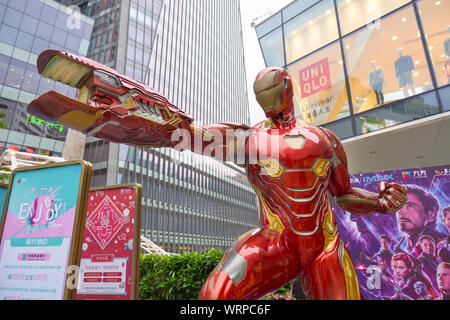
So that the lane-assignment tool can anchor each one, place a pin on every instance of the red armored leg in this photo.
(332, 275)
(260, 262)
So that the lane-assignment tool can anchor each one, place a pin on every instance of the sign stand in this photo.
(109, 267)
(41, 230)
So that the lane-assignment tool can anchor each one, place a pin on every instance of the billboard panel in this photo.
(110, 257)
(3, 191)
(41, 230)
(397, 255)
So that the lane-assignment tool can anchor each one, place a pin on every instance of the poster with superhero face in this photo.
(405, 255)
(41, 231)
(109, 259)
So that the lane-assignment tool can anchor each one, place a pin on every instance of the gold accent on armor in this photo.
(268, 91)
(295, 142)
(273, 168)
(175, 121)
(330, 232)
(79, 120)
(165, 108)
(202, 131)
(83, 95)
(331, 235)
(66, 71)
(129, 104)
(321, 167)
(275, 223)
(247, 233)
(351, 279)
(268, 124)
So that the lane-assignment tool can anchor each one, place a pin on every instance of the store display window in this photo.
(445, 98)
(311, 30)
(342, 128)
(354, 14)
(272, 48)
(268, 25)
(405, 110)
(319, 85)
(386, 64)
(436, 26)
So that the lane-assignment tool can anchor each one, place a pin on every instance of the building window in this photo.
(436, 25)
(386, 64)
(445, 98)
(357, 13)
(4, 65)
(15, 74)
(319, 85)
(342, 128)
(405, 110)
(311, 30)
(8, 34)
(272, 47)
(31, 80)
(268, 25)
(297, 7)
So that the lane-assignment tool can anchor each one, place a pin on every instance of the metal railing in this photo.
(11, 159)
(150, 247)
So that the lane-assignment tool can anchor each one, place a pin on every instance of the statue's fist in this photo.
(392, 197)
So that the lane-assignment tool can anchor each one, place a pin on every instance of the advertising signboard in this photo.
(109, 268)
(41, 230)
(3, 191)
(402, 256)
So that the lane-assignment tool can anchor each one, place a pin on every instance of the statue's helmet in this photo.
(273, 91)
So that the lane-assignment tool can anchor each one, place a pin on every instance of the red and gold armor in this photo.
(294, 168)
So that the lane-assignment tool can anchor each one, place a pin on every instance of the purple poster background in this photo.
(420, 226)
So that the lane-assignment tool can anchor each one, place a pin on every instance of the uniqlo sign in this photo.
(315, 78)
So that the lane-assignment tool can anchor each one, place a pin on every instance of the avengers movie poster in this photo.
(405, 255)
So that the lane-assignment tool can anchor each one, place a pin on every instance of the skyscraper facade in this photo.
(192, 53)
(28, 27)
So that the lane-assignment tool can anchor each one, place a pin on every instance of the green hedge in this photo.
(178, 277)
(181, 277)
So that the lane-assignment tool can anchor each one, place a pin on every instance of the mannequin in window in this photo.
(447, 44)
(447, 69)
(404, 66)
(376, 82)
(447, 53)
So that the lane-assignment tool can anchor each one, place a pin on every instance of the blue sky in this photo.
(254, 61)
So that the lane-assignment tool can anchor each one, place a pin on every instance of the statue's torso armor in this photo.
(292, 182)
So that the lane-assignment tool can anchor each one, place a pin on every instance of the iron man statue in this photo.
(294, 168)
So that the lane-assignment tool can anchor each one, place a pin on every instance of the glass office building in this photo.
(191, 52)
(359, 66)
(28, 27)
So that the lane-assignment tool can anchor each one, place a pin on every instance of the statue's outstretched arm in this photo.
(118, 109)
(391, 197)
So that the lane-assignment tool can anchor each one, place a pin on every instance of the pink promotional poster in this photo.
(109, 259)
(38, 240)
(406, 255)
